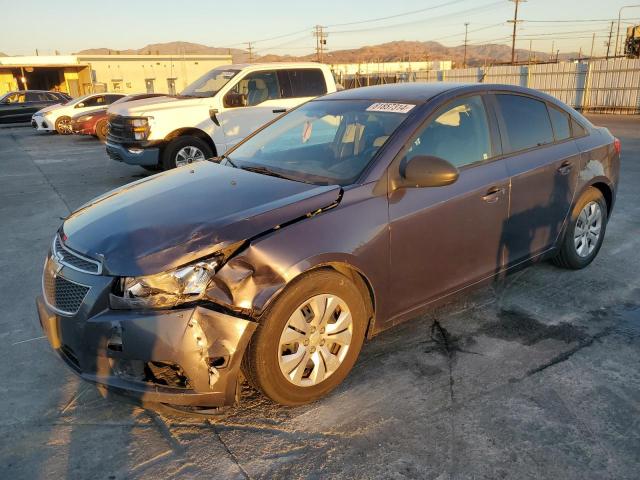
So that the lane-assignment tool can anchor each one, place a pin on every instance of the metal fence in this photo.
(604, 86)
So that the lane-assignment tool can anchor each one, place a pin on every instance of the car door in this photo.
(444, 238)
(543, 165)
(299, 85)
(34, 101)
(13, 107)
(250, 103)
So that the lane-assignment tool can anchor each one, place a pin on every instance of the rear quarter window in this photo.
(561, 123)
(526, 122)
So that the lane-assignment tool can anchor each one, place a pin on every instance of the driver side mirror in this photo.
(427, 171)
(80, 105)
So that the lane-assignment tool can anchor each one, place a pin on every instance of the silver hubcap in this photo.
(188, 155)
(315, 340)
(588, 228)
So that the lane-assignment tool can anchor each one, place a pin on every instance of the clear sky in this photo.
(75, 25)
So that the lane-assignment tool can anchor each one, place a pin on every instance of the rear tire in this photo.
(63, 125)
(585, 231)
(271, 362)
(185, 150)
(102, 128)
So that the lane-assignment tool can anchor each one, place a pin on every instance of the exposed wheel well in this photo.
(363, 284)
(194, 132)
(606, 193)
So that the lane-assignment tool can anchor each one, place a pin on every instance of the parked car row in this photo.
(305, 236)
(19, 106)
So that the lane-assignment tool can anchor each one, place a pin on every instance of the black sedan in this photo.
(18, 106)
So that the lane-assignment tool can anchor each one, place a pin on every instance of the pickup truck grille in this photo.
(119, 131)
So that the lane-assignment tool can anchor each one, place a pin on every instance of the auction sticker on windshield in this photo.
(391, 107)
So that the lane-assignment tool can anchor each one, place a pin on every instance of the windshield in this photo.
(210, 83)
(324, 142)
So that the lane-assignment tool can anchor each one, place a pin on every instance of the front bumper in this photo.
(40, 123)
(133, 155)
(188, 356)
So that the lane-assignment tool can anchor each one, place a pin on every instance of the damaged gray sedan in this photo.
(343, 217)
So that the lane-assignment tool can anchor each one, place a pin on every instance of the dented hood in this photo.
(179, 216)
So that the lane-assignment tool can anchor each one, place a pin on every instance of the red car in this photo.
(95, 122)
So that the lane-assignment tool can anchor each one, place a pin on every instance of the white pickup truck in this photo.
(212, 114)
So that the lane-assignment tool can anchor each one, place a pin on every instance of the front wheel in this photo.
(308, 340)
(63, 125)
(102, 128)
(585, 231)
(185, 150)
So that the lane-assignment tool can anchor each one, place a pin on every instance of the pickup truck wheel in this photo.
(308, 340)
(102, 128)
(63, 125)
(185, 150)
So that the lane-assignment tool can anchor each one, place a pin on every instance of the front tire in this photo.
(63, 125)
(585, 231)
(185, 150)
(308, 340)
(102, 128)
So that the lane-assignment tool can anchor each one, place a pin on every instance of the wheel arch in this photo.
(607, 193)
(194, 132)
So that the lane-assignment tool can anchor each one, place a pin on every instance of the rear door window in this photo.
(112, 98)
(307, 82)
(526, 122)
(561, 123)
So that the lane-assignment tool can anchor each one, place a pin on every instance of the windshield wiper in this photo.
(266, 171)
(224, 157)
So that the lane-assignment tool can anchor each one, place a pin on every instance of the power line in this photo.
(482, 8)
(446, 4)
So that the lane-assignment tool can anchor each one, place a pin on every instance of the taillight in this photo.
(617, 145)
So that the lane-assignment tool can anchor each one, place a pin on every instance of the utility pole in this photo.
(250, 50)
(553, 45)
(515, 25)
(609, 41)
(593, 41)
(321, 41)
(466, 29)
(530, 50)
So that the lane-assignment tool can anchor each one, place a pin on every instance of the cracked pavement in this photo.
(534, 376)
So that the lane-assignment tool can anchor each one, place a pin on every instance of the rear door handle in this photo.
(565, 168)
(493, 194)
(279, 110)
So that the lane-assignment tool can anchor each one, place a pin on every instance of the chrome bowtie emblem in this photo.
(57, 266)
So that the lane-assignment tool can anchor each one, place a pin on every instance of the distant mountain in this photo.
(386, 52)
(419, 51)
(172, 48)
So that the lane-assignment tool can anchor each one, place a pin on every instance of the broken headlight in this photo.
(166, 289)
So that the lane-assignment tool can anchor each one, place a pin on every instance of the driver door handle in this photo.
(493, 194)
(565, 168)
(279, 110)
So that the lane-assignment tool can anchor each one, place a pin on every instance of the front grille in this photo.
(67, 257)
(64, 295)
(119, 131)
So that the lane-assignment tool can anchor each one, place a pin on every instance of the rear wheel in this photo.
(308, 340)
(185, 150)
(102, 128)
(585, 231)
(63, 125)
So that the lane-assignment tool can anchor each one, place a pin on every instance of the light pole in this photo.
(615, 52)
(466, 28)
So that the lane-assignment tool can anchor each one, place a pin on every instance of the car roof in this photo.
(419, 93)
(396, 92)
